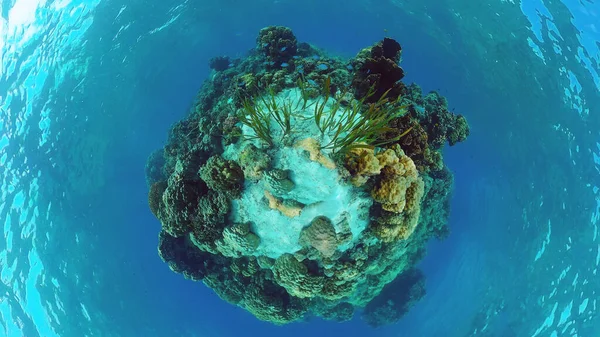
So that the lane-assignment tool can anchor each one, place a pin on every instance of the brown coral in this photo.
(320, 234)
(377, 70)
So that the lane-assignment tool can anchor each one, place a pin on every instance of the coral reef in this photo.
(306, 185)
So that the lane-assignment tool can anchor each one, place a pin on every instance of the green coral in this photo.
(270, 302)
(295, 277)
(278, 181)
(212, 208)
(238, 240)
(222, 175)
(180, 200)
(254, 162)
(459, 131)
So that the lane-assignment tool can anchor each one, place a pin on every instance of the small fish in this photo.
(349, 67)
(295, 57)
(316, 57)
(283, 49)
(322, 66)
(230, 65)
(265, 44)
(284, 65)
(312, 82)
(419, 108)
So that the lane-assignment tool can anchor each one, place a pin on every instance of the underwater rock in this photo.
(295, 188)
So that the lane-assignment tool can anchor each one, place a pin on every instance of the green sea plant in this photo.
(351, 126)
(356, 124)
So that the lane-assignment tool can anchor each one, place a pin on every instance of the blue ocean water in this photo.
(88, 89)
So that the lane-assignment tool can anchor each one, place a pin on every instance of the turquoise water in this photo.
(89, 89)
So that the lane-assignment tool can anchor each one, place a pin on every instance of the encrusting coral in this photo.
(306, 185)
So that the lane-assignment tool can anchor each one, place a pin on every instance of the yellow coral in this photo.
(291, 211)
(393, 226)
(399, 191)
(313, 147)
(399, 173)
(362, 164)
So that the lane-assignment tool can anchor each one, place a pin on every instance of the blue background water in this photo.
(89, 89)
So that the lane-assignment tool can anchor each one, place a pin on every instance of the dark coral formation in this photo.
(195, 188)
(441, 125)
(378, 70)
